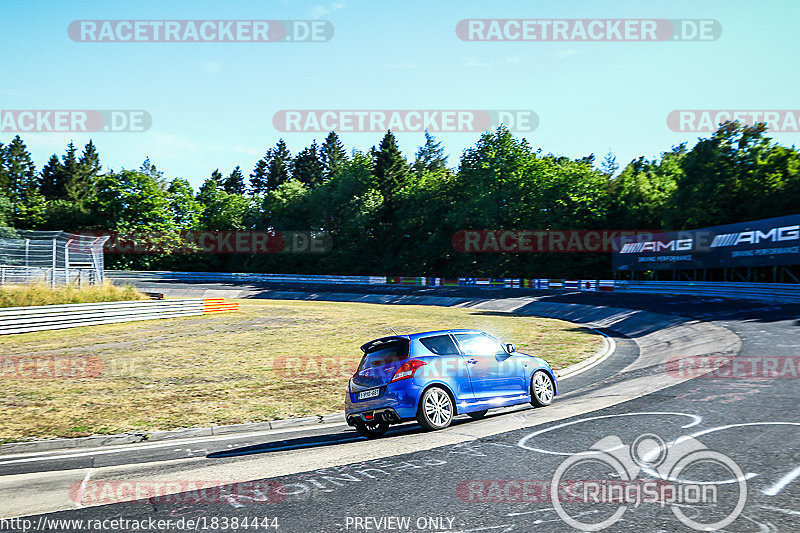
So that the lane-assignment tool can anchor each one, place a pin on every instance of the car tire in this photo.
(477, 415)
(542, 389)
(436, 409)
(373, 430)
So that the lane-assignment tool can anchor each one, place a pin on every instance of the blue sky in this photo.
(212, 103)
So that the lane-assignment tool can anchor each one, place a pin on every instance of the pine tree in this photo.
(280, 159)
(20, 171)
(6, 209)
(50, 179)
(307, 167)
(209, 188)
(69, 172)
(23, 185)
(609, 166)
(3, 170)
(149, 168)
(234, 184)
(258, 178)
(389, 168)
(83, 183)
(332, 155)
(430, 156)
(90, 159)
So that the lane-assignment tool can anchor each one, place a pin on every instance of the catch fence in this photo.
(50, 257)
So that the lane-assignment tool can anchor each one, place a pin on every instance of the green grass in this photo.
(23, 295)
(273, 359)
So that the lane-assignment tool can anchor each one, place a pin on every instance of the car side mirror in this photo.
(510, 348)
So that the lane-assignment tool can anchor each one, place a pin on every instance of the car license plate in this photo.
(368, 394)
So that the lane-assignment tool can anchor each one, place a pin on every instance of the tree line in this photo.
(387, 214)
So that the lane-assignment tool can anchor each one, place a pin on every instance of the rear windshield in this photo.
(440, 344)
(384, 353)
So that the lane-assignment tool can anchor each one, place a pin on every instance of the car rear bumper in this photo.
(386, 414)
(397, 402)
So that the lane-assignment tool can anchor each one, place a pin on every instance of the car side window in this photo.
(477, 344)
(440, 344)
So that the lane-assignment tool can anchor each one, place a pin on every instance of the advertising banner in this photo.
(768, 242)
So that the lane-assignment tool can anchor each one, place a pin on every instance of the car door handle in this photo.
(472, 361)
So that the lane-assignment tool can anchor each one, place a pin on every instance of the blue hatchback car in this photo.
(431, 377)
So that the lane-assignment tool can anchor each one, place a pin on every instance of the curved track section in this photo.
(324, 478)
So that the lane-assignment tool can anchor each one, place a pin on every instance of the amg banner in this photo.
(768, 242)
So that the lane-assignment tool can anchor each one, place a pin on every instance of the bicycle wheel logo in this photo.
(705, 489)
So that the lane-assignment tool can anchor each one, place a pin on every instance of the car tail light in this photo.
(407, 370)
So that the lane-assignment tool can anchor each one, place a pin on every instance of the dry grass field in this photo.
(23, 295)
(273, 359)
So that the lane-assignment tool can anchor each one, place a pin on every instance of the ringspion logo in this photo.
(199, 31)
(545, 30)
(403, 120)
(685, 473)
(74, 120)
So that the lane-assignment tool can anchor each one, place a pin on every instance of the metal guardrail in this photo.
(47, 317)
(238, 276)
(785, 292)
(331, 279)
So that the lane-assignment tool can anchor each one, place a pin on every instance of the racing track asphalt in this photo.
(753, 421)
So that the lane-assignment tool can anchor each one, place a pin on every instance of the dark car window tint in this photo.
(384, 354)
(440, 344)
(477, 344)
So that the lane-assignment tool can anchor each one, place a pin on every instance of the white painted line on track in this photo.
(523, 442)
(786, 479)
(782, 482)
(79, 496)
(165, 444)
(780, 510)
(609, 349)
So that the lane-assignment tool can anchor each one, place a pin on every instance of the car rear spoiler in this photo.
(382, 341)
